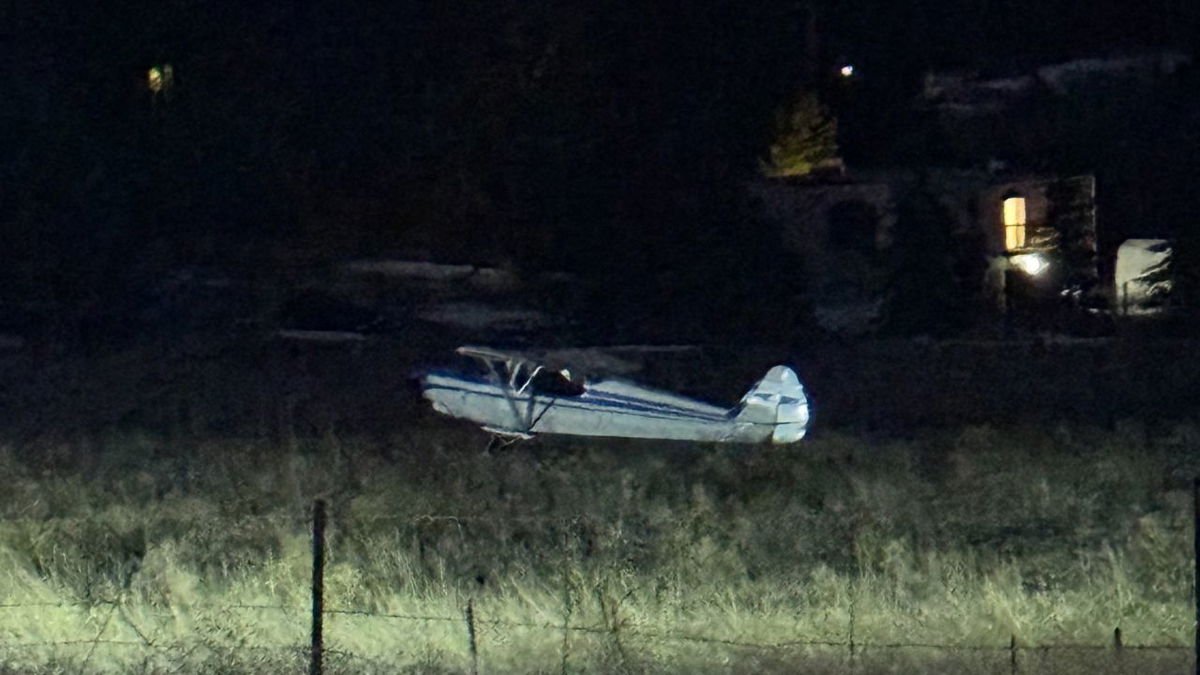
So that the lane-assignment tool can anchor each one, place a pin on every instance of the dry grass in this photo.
(194, 556)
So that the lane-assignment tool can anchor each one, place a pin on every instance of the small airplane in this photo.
(516, 398)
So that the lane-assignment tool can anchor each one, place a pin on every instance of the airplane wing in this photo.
(487, 354)
(580, 362)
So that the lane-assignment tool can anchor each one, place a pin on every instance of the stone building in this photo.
(1000, 154)
(840, 230)
(1032, 236)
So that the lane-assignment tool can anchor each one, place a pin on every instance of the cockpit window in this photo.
(556, 383)
(479, 370)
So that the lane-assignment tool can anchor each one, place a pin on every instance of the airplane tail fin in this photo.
(778, 398)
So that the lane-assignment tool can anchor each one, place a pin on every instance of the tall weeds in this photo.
(604, 556)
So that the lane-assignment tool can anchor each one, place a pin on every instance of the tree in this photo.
(805, 137)
(1073, 215)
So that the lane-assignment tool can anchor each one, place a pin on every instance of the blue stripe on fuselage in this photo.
(585, 402)
(606, 399)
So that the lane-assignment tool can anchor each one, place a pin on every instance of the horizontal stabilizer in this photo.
(778, 398)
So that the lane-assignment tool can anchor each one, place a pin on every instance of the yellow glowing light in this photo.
(1014, 223)
(160, 78)
(1014, 211)
(847, 70)
(1014, 237)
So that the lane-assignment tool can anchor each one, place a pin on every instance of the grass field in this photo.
(137, 553)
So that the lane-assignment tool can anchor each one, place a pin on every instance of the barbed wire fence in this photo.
(316, 654)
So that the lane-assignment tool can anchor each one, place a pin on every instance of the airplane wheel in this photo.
(493, 443)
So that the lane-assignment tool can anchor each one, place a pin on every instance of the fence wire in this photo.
(559, 627)
(119, 609)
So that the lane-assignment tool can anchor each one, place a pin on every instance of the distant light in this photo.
(847, 70)
(1032, 264)
(160, 78)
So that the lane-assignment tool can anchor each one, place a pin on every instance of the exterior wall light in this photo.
(1032, 264)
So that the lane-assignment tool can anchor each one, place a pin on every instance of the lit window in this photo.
(1014, 223)
(160, 78)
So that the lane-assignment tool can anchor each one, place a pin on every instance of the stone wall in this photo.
(1058, 211)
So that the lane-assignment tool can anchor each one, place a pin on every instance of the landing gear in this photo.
(498, 442)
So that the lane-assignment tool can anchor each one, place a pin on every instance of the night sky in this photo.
(588, 136)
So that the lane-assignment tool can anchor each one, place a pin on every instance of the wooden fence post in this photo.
(1118, 646)
(318, 586)
(1196, 562)
(471, 637)
(853, 600)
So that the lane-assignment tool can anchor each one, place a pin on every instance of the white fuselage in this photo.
(605, 408)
